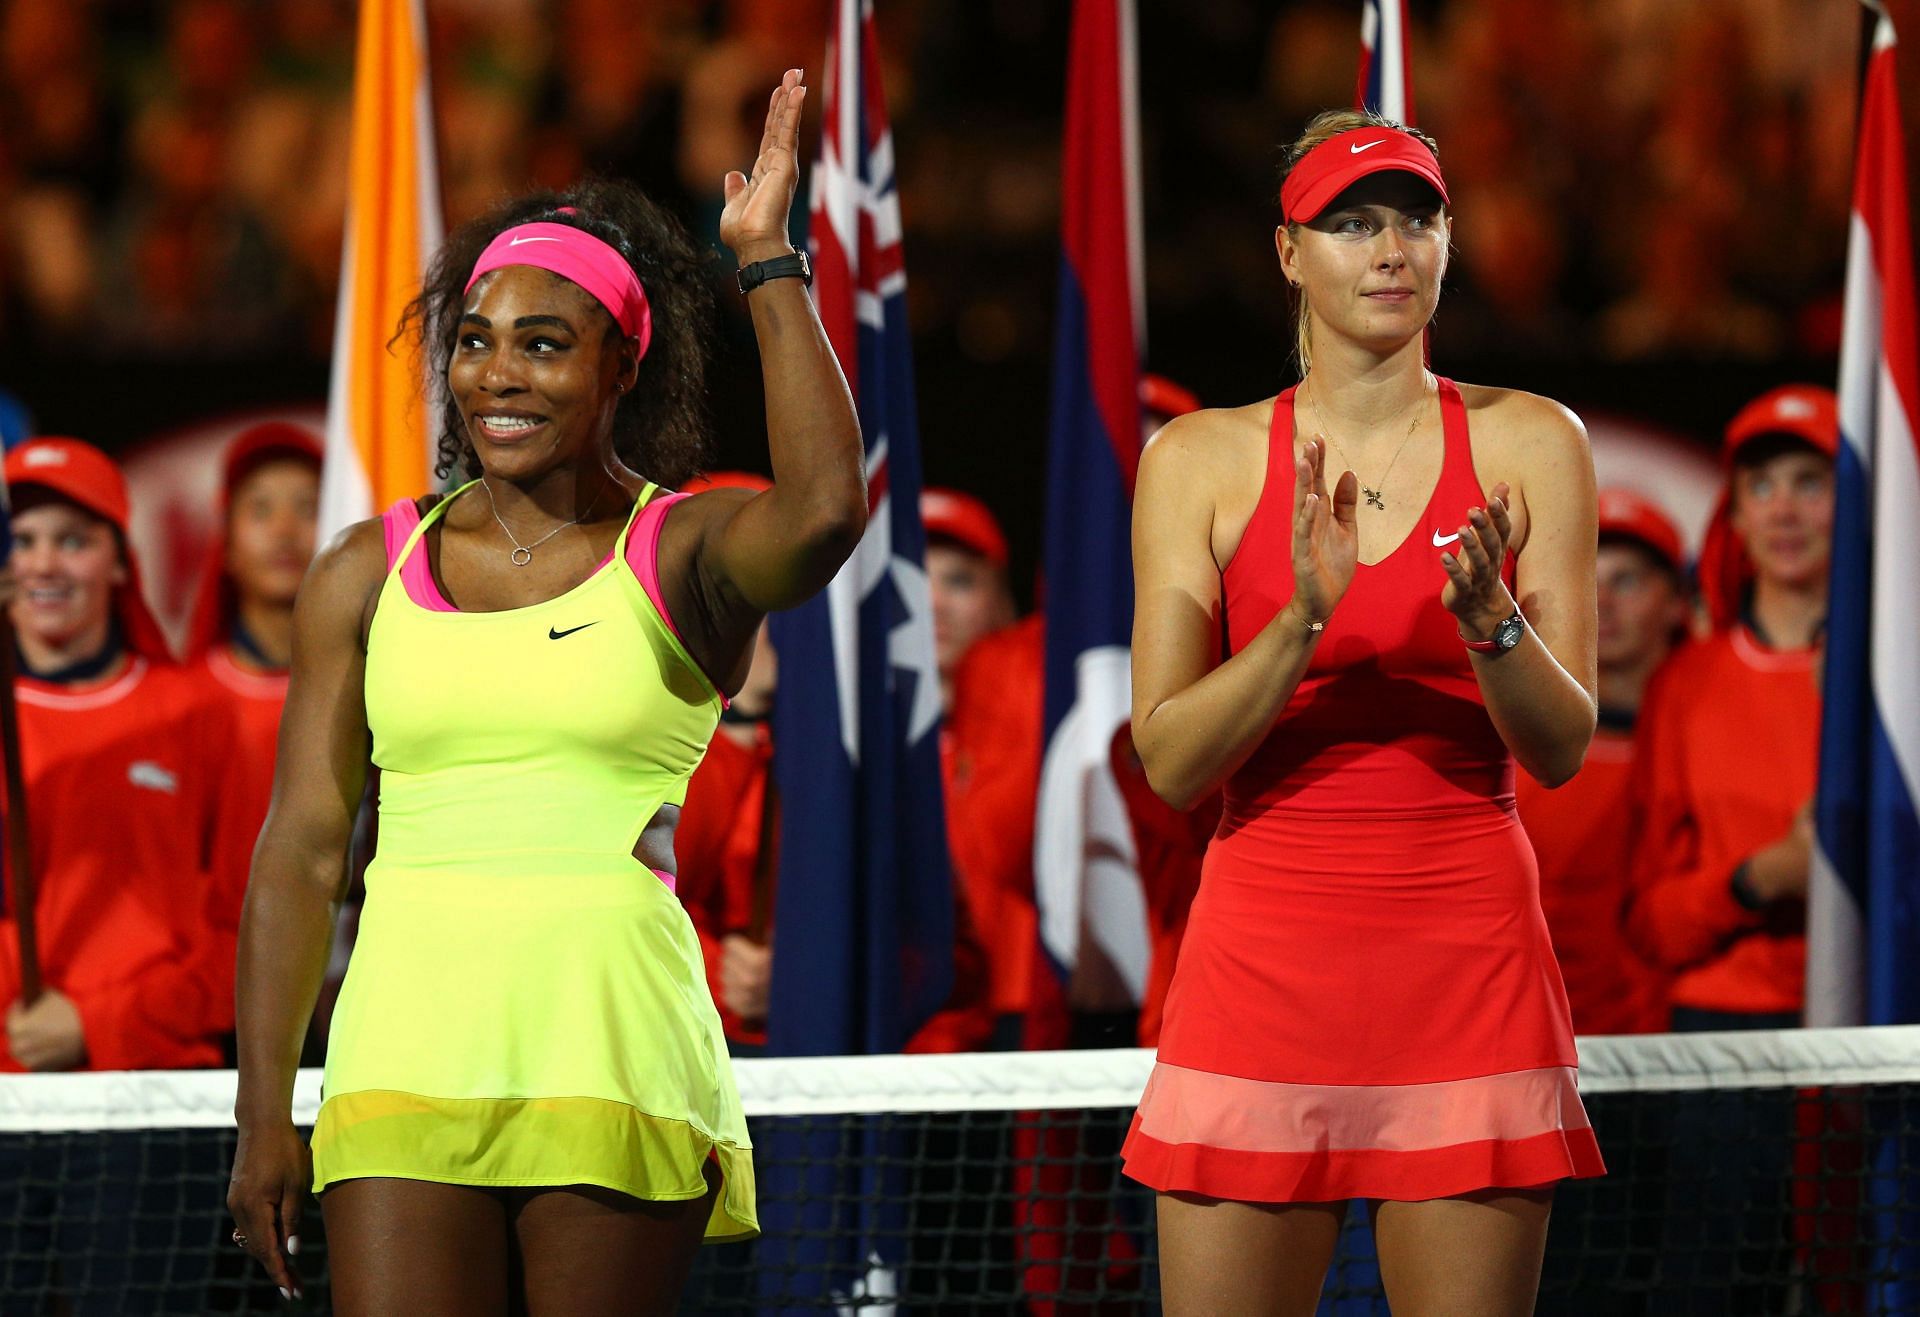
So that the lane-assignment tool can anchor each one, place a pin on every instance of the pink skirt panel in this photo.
(1332, 1177)
(1255, 1115)
(1259, 1141)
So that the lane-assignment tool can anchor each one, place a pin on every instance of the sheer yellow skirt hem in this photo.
(525, 1142)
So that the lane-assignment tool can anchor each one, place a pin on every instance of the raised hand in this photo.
(754, 222)
(1326, 537)
(1474, 592)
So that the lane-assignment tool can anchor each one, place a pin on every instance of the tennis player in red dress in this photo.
(1366, 1004)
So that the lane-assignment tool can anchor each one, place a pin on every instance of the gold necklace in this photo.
(1373, 493)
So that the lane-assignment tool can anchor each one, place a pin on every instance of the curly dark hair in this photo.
(660, 427)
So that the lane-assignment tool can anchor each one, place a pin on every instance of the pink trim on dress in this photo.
(643, 553)
(1253, 1115)
(1255, 1141)
(416, 573)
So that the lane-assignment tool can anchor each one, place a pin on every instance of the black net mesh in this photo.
(1740, 1200)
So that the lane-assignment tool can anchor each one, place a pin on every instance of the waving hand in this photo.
(754, 222)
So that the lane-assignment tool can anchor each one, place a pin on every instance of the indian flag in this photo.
(379, 440)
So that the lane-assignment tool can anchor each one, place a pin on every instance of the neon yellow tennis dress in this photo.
(527, 1003)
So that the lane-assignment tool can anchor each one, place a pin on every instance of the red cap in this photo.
(747, 480)
(82, 474)
(214, 602)
(76, 471)
(1805, 411)
(964, 519)
(1625, 512)
(1163, 397)
(1344, 159)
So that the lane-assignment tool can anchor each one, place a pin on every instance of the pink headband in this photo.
(577, 255)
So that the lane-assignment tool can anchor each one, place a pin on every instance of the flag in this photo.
(1084, 863)
(1865, 896)
(1386, 77)
(864, 914)
(1864, 888)
(863, 844)
(379, 439)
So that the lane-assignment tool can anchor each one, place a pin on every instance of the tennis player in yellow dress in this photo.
(527, 1100)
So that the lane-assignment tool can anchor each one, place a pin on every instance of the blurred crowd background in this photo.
(1651, 196)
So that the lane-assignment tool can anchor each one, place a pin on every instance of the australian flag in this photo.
(1863, 912)
(865, 907)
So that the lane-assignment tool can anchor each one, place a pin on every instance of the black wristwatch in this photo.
(794, 265)
(1506, 635)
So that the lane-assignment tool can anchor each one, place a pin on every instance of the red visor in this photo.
(1341, 161)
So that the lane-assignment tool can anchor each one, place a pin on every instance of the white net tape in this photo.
(1004, 1081)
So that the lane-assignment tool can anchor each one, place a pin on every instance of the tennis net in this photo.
(1750, 1173)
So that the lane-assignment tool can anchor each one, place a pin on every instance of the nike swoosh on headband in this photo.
(1437, 541)
(515, 242)
(1357, 147)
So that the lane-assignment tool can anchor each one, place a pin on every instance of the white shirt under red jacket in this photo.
(129, 780)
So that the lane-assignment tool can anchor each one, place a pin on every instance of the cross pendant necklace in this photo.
(1374, 499)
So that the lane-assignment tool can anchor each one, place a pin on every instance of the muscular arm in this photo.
(1194, 723)
(730, 558)
(1541, 694)
(300, 863)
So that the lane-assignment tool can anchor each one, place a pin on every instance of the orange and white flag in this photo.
(379, 441)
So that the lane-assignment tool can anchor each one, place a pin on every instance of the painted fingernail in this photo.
(286, 1294)
(293, 1245)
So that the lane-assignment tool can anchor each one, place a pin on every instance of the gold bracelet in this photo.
(1315, 627)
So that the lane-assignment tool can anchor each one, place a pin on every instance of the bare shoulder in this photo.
(344, 578)
(1213, 450)
(1515, 425)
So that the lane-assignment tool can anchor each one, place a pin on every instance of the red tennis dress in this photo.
(1366, 1004)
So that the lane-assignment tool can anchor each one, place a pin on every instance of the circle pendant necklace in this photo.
(523, 553)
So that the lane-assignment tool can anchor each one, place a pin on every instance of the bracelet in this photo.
(1315, 627)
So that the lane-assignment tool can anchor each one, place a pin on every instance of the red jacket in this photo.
(129, 790)
(990, 754)
(718, 847)
(254, 701)
(1582, 833)
(1726, 754)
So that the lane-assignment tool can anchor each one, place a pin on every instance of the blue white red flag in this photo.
(1386, 78)
(1864, 897)
(1084, 874)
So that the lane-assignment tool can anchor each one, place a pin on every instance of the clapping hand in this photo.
(1326, 536)
(1475, 593)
